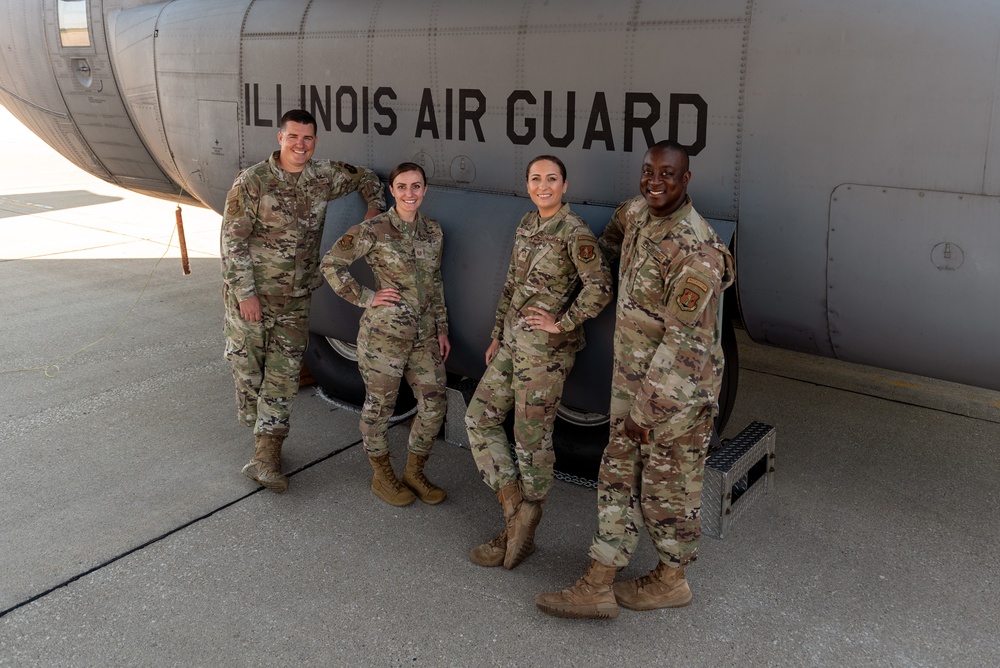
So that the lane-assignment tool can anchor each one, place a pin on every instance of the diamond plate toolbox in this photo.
(736, 476)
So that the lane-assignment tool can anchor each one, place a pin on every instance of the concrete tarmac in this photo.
(131, 539)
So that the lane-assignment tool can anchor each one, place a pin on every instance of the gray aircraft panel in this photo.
(28, 88)
(272, 17)
(898, 99)
(20, 75)
(943, 250)
(197, 79)
(707, 14)
(131, 48)
(91, 97)
(341, 17)
(782, 102)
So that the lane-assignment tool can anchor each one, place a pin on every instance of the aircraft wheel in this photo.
(334, 365)
(579, 447)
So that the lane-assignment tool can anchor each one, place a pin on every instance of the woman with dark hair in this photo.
(403, 331)
(556, 280)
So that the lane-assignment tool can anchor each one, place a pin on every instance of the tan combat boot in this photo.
(521, 533)
(664, 587)
(265, 465)
(590, 598)
(491, 554)
(385, 484)
(414, 478)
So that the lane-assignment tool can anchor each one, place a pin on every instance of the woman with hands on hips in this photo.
(403, 331)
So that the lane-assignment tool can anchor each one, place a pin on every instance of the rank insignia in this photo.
(346, 242)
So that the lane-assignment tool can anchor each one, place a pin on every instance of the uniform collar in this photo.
(656, 229)
(536, 225)
(399, 223)
(307, 173)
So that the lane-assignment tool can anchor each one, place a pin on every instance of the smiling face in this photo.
(664, 180)
(298, 141)
(408, 188)
(546, 186)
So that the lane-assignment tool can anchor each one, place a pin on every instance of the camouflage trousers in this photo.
(532, 386)
(266, 357)
(658, 484)
(383, 361)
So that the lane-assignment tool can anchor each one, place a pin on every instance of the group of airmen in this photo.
(668, 359)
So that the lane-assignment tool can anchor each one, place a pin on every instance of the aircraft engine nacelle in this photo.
(57, 76)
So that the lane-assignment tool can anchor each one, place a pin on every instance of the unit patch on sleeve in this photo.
(233, 202)
(346, 242)
(587, 253)
(688, 300)
(689, 295)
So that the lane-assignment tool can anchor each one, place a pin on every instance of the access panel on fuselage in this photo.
(913, 276)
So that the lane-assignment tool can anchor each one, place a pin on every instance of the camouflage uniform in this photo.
(271, 233)
(399, 339)
(550, 260)
(667, 372)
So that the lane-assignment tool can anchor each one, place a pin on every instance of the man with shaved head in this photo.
(667, 373)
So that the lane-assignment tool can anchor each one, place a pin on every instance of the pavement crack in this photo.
(167, 534)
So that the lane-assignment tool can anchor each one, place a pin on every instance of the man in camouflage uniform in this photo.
(271, 233)
(403, 331)
(556, 280)
(668, 366)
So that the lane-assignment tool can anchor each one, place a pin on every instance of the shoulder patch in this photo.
(690, 294)
(346, 242)
(586, 252)
(233, 201)
(697, 284)
(688, 300)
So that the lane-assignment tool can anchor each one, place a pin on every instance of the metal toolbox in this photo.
(736, 476)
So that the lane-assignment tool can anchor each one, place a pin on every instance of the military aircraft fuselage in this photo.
(854, 147)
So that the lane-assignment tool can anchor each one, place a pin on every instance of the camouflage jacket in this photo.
(556, 266)
(272, 227)
(401, 256)
(667, 329)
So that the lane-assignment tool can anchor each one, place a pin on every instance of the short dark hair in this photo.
(672, 146)
(550, 158)
(404, 167)
(298, 116)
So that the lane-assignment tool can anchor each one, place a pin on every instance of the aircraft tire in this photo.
(339, 378)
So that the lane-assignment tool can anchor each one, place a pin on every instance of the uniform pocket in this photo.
(428, 251)
(541, 458)
(236, 344)
(396, 320)
(646, 283)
